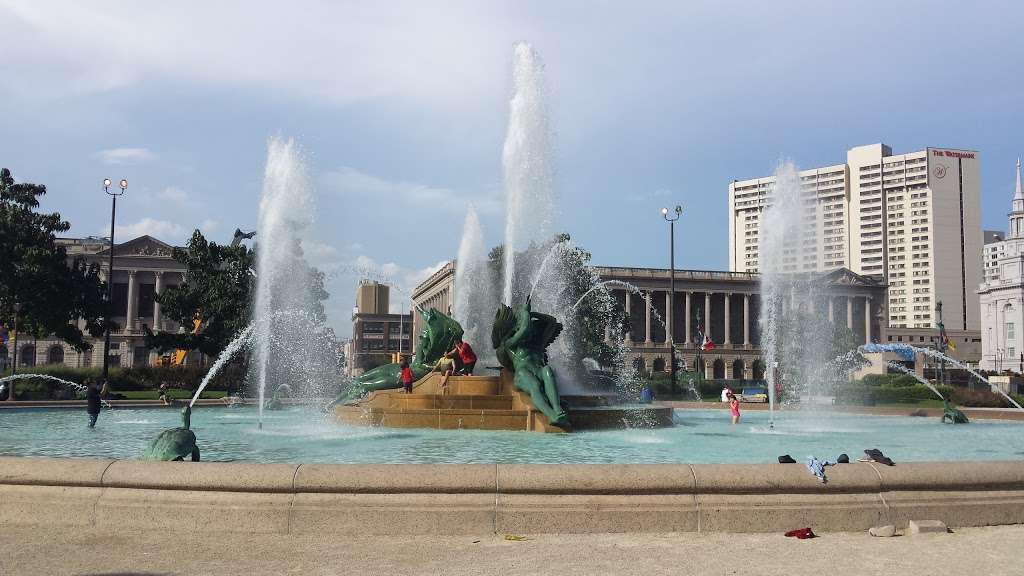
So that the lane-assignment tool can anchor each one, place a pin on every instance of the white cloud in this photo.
(116, 156)
(161, 229)
(174, 195)
(209, 226)
(350, 181)
(364, 52)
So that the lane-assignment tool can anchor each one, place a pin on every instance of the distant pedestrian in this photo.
(162, 394)
(407, 377)
(92, 398)
(734, 406)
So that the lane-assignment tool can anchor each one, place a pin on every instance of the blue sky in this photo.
(401, 110)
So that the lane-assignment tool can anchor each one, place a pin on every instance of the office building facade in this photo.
(913, 221)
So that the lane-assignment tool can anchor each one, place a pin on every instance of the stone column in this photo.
(728, 301)
(668, 317)
(629, 316)
(867, 319)
(831, 310)
(746, 321)
(849, 312)
(132, 304)
(686, 321)
(649, 305)
(157, 288)
(707, 314)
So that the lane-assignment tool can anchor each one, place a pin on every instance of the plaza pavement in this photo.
(991, 551)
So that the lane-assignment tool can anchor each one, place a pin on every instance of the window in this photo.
(1009, 332)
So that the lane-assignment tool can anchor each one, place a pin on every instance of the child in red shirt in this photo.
(406, 377)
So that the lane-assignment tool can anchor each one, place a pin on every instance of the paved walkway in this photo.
(991, 551)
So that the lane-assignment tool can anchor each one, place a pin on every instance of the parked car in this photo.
(754, 395)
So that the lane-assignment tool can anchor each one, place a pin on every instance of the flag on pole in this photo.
(705, 342)
(944, 338)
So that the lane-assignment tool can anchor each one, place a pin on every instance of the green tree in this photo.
(35, 272)
(217, 289)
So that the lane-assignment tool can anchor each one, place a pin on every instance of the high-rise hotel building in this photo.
(913, 220)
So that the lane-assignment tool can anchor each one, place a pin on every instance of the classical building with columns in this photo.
(728, 303)
(142, 267)
(437, 292)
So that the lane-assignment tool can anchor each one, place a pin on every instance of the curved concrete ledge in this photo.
(480, 498)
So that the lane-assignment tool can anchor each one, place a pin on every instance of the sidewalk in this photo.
(991, 551)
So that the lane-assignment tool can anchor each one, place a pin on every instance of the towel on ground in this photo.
(817, 467)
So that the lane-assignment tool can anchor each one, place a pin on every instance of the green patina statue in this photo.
(520, 339)
(440, 334)
(176, 443)
(954, 415)
(276, 402)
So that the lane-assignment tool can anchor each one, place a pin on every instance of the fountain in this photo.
(476, 295)
(223, 358)
(285, 349)
(904, 370)
(8, 381)
(526, 158)
(792, 338)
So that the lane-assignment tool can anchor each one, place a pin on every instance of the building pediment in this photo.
(142, 246)
(846, 277)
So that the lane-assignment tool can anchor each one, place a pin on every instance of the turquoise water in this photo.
(701, 436)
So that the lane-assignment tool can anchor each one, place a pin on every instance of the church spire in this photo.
(1017, 193)
(1017, 213)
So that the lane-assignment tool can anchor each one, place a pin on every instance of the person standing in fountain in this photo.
(92, 397)
(734, 406)
(406, 377)
(464, 357)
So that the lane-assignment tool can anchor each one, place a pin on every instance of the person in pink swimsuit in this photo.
(734, 406)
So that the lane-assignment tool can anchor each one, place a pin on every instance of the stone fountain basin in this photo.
(409, 499)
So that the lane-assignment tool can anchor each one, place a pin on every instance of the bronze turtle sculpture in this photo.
(174, 443)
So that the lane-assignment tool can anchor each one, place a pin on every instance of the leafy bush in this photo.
(859, 393)
(979, 398)
(895, 380)
(230, 378)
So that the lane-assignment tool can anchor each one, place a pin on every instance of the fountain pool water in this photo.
(299, 434)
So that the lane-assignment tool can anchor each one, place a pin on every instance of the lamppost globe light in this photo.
(106, 182)
(664, 211)
(124, 183)
(679, 210)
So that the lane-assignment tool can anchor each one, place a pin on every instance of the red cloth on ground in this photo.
(802, 533)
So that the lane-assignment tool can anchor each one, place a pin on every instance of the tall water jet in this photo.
(793, 337)
(285, 281)
(527, 163)
(476, 296)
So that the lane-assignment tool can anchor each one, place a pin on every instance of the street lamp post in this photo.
(14, 365)
(123, 185)
(672, 286)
